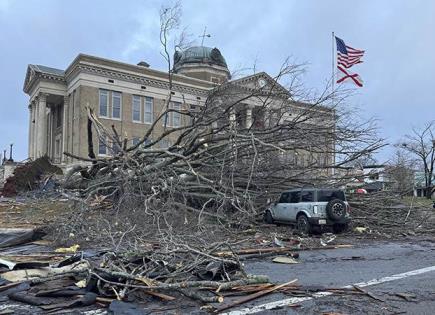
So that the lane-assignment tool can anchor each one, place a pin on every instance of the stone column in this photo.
(233, 118)
(249, 117)
(64, 159)
(49, 137)
(30, 131)
(35, 106)
(266, 118)
(42, 125)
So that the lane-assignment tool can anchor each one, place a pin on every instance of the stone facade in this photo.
(129, 97)
(59, 100)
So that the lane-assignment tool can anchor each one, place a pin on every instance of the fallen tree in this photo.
(386, 213)
(228, 157)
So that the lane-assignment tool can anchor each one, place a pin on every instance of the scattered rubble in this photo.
(133, 265)
(51, 278)
(28, 176)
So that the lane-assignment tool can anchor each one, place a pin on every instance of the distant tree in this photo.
(363, 161)
(421, 144)
(400, 173)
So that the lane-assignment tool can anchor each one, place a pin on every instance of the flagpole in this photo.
(333, 64)
(332, 94)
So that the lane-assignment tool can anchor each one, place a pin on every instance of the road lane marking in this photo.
(289, 301)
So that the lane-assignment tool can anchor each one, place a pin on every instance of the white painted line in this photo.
(295, 300)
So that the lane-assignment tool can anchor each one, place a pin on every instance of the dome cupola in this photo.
(203, 63)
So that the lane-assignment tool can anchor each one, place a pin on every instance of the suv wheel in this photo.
(336, 209)
(268, 217)
(303, 225)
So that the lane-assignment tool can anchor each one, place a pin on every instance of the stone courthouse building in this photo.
(128, 96)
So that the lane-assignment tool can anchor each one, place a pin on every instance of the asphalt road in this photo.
(380, 267)
(411, 263)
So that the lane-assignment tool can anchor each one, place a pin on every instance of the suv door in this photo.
(292, 210)
(282, 206)
(306, 204)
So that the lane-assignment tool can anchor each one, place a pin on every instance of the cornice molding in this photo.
(33, 77)
(119, 75)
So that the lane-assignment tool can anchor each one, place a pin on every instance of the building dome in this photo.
(199, 54)
(201, 62)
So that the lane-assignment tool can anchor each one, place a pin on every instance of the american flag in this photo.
(346, 58)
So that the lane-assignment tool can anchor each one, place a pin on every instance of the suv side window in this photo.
(284, 198)
(328, 195)
(307, 196)
(295, 196)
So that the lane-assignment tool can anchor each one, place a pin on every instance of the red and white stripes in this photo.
(347, 58)
(344, 75)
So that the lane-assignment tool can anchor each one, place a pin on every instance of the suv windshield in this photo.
(328, 195)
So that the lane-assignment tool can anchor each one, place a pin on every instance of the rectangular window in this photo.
(164, 144)
(176, 117)
(135, 108)
(115, 149)
(285, 198)
(116, 105)
(135, 141)
(148, 112)
(307, 196)
(295, 197)
(102, 148)
(328, 195)
(104, 103)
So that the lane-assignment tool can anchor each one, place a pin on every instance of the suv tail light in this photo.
(348, 208)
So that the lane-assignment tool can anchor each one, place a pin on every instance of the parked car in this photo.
(309, 208)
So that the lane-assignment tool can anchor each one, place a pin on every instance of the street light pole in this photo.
(10, 153)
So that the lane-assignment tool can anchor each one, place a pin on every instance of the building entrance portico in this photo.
(46, 88)
(46, 113)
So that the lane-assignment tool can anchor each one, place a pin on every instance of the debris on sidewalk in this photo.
(16, 236)
(360, 229)
(71, 249)
(285, 260)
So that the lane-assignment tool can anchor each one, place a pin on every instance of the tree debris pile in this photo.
(161, 274)
(386, 213)
(28, 176)
(165, 273)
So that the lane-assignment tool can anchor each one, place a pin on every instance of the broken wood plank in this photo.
(254, 296)
(373, 296)
(247, 251)
(162, 296)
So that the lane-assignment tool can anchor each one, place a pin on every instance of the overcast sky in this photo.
(398, 69)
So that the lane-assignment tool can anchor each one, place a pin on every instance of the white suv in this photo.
(310, 207)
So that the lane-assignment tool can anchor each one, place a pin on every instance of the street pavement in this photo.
(381, 267)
